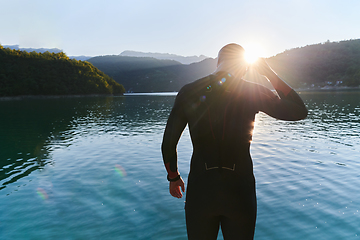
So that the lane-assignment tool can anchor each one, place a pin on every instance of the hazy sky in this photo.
(184, 27)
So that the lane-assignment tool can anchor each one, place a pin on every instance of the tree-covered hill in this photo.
(24, 73)
(144, 74)
(319, 65)
(112, 64)
(165, 79)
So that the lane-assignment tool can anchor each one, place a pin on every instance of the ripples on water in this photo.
(76, 168)
(308, 171)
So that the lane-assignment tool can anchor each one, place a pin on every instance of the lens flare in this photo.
(120, 170)
(42, 193)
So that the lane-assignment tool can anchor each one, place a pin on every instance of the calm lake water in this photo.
(91, 168)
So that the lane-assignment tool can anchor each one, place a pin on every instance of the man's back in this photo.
(220, 112)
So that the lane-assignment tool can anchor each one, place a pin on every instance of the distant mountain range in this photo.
(38, 50)
(165, 56)
(82, 57)
(42, 50)
(161, 56)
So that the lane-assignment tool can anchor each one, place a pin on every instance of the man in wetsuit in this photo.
(220, 111)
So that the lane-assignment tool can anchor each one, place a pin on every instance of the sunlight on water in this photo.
(91, 168)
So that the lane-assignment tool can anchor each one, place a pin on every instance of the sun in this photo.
(252, 53)
(250, 58)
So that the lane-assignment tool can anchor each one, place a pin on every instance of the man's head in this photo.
(231, 58)
(230, 53)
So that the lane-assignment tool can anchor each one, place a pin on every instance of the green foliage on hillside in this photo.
(323, 64)
(23, 73)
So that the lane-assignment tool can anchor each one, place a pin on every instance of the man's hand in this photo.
(262, 67)
(174, 188)
(265, 70)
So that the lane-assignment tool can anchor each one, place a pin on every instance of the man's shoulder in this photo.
(195, 86)
(197, 83)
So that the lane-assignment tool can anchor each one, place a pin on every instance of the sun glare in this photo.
(251, 58)
(252, 53)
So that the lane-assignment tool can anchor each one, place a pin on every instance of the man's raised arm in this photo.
(290, 107)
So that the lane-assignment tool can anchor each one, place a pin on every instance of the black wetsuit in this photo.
(220, 112)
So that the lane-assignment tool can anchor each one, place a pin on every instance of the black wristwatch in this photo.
(173, 179)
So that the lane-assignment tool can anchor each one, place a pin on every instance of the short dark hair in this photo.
(230, 52)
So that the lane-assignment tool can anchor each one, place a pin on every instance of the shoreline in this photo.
(328, 88)
(22, 97)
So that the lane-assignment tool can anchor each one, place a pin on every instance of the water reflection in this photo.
(25, 128)
(334, 115)
(32, 128)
